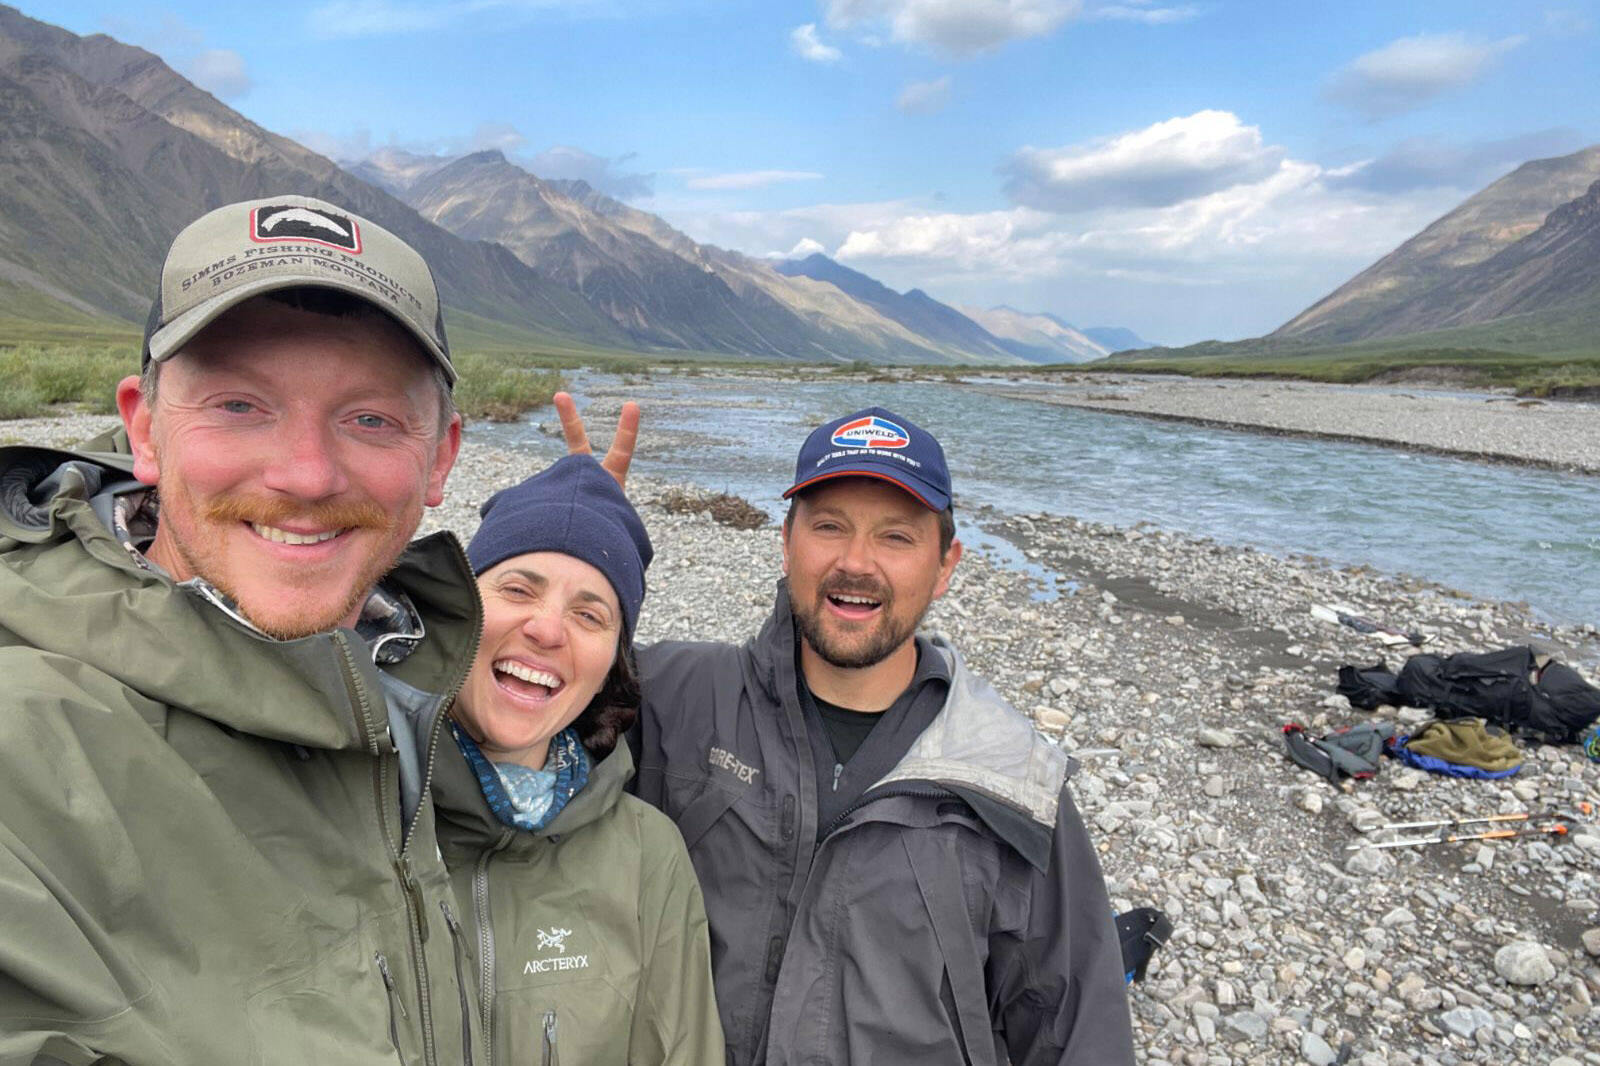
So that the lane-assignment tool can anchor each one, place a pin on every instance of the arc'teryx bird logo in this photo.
(554, 938)
(291, 222)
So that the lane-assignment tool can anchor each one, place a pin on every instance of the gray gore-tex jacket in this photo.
(955, 913)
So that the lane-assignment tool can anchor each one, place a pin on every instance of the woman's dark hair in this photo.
(615, 707)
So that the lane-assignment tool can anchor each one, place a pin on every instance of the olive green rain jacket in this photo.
(588, 936)
(203, 856)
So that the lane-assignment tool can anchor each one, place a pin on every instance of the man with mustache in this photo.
(221, 704)
(893, 867)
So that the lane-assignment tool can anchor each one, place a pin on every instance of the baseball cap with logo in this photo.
(875, 443)
(246, 249)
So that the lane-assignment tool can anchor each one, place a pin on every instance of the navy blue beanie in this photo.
(576, 508)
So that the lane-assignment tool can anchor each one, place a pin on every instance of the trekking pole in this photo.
(1446, 823)
(1493, 834)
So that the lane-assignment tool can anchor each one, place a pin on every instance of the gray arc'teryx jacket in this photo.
(955, 914)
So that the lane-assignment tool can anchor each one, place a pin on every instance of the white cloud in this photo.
(807, 45)
(751, 179)
(1143, 11)
(1164, 163)
(924, 97)
(959, 28)
(1229, 256)
(804, 247)
(1407, 73)
(221, 72)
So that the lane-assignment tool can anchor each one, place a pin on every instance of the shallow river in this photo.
(1496, 531)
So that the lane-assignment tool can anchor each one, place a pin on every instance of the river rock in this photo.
(1524, 963)
(1465, 1021)
(1366, 862)
(1591, 941)
(1051, 718)
(1216, 738)
(1247, 1023)
(1315, 1050)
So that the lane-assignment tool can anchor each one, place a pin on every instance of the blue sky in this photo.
(1189, 170)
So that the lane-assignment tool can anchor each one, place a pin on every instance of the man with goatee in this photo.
(893, 867)
(220, 705)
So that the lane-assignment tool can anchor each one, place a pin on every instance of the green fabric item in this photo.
(201, 849)
(1465, 742)
(590, 933)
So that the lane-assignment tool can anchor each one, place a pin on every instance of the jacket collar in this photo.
(978, 745)
(467, 825)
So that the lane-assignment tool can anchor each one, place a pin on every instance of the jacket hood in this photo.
(978, 743)
(466, 825)
(68, 587)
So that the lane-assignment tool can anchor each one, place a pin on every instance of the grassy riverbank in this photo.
(1528, 375)
(42, 379)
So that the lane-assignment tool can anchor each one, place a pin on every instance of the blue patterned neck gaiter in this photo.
(523, 798)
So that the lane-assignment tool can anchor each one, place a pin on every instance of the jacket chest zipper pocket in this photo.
(395, 1003)
(552, 1055)
(461, 981)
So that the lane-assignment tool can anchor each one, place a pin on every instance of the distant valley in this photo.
(106, 152)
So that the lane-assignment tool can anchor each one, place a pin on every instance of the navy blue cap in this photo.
(576, 508)
(875, 443)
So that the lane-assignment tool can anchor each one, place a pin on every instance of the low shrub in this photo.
(496, 389)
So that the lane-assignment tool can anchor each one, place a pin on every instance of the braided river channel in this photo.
(1497, 531)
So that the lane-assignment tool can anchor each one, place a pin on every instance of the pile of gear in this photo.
(1480, 700)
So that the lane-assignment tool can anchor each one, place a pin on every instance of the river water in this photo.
(1501, 532)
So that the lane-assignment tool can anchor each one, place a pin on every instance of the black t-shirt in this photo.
(846, 729)
(854, 750)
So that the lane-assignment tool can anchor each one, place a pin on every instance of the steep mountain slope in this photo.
(656, 296)
(653, 280)
(915, 310)
(1498, 216)
(1554, 268)
(849, 328)
(105, 153)
(1042, 338)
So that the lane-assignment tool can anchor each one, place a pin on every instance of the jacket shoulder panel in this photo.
(981, 742)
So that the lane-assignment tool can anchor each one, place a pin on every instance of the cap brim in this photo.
(929, 497)
(166, 341)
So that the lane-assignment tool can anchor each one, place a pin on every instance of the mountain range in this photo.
(106, 152)
(1514, 268)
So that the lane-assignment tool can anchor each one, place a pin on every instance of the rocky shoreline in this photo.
(1493, 426)
(1184, 658)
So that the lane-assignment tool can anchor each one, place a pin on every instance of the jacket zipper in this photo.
(394, 1002)
(383, 791)
(480, 906)
(418, 923)
(552, 1056)
(461, 981)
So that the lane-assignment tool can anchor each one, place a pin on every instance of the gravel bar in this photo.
(1185, 658)
(1493, 426)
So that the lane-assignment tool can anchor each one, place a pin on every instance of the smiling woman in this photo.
(589, 929)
